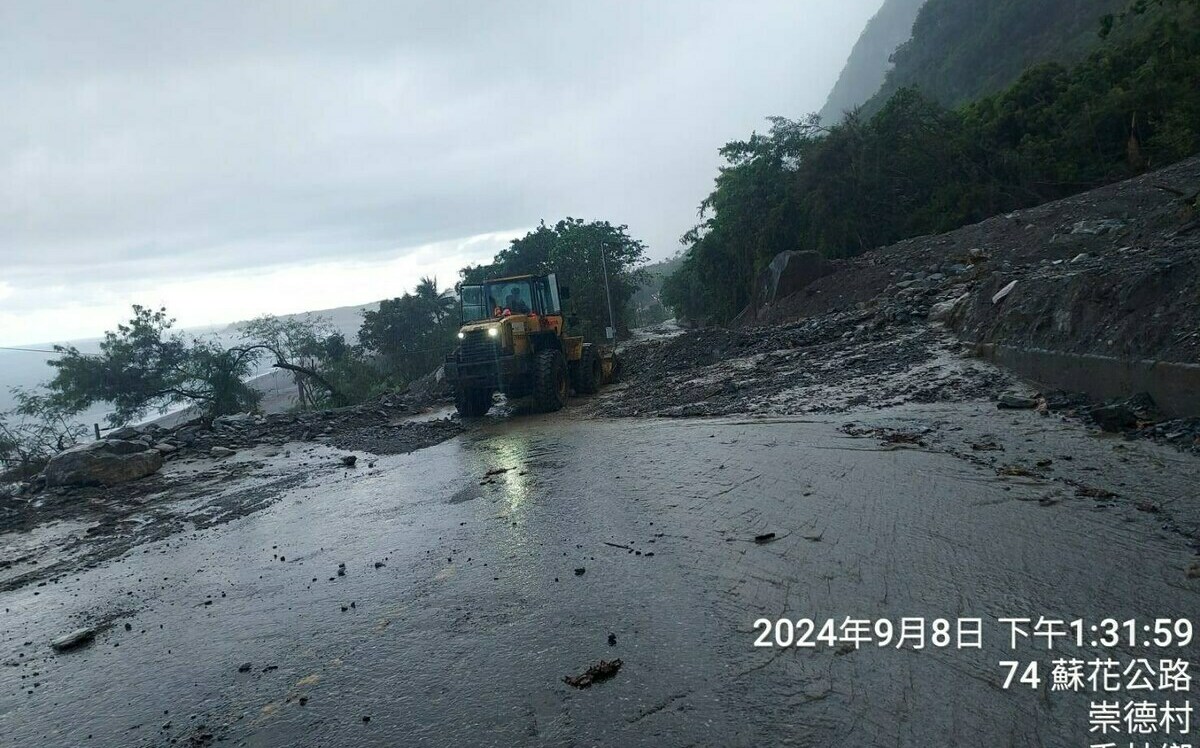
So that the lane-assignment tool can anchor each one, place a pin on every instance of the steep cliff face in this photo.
(959, 50)
(869, 61)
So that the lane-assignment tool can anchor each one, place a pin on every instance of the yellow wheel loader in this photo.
(513, 340)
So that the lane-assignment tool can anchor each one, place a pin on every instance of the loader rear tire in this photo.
(472, 403)
(589, 372)
(550, 384)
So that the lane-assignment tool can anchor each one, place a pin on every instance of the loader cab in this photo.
(520, 295)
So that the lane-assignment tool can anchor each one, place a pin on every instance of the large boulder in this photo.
(787, 273)
(102, 463)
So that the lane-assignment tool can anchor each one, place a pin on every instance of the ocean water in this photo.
(28, 369)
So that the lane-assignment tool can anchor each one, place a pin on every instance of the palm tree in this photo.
(438, 303)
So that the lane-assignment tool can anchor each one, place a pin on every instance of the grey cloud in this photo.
(180, 138)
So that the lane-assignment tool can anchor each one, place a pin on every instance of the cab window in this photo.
(547, 289)
(474, 304)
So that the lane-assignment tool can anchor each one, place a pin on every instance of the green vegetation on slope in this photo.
(916, 167)
(960, 50)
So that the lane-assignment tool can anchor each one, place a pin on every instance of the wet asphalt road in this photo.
(463, 635)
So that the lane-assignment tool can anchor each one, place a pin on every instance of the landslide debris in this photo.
(145, 483)
(823, 364)
(1113, 272)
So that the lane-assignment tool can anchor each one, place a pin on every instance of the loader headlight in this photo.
(461, 335)
(493, 332)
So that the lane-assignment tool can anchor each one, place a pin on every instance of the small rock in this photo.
(580, 571)
(766, 537)
(1097, 227)
(350, 460)
(1015, 401)
(1126, 414)
(943, 310)
(1003, 292)
(221, 452)
(1115, 417)
(244, 667)
(76, 638)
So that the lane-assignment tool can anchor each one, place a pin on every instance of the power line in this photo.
(27, 350)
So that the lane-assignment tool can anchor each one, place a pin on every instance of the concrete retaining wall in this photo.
(1175, 387)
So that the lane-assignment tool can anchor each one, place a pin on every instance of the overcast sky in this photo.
(231, 159)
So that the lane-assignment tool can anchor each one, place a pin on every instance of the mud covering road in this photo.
(424, 601)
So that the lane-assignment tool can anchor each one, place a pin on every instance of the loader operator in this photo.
(514, 303)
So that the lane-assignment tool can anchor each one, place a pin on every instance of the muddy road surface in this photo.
(441, 597)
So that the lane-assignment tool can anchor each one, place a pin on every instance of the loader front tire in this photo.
(550, 381)
(472, 403)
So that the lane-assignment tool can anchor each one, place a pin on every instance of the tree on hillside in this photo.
(142, 366)
(437, 302)
(298, 345)
(413, 333)
(577, 251)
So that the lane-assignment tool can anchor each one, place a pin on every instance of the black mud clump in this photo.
(601, 671)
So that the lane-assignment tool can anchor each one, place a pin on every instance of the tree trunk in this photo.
(338, 397)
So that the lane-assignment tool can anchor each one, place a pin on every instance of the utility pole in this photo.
(612, 322)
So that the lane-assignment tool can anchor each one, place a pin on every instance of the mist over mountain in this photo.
(870, 58)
